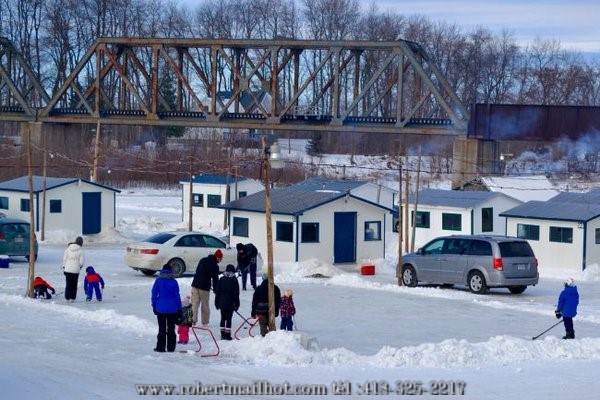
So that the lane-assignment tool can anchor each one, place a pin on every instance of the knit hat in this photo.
(219, 254)
(89, 269)
(239, 246)
(79, 241)
(569, 282)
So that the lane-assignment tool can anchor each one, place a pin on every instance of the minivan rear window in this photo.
(515, 249)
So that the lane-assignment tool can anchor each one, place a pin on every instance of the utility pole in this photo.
(414, 226)
(406, 193)
(31, 273)
(44, 173)
(270, 274)
(191, 194)
(96, 152)
(399, 265)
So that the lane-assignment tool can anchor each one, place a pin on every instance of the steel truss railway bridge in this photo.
(339, 86)
(391, 87)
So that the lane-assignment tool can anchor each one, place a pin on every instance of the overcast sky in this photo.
(575, 23)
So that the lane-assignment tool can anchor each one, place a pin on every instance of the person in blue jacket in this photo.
(166, 304)
(568, 300)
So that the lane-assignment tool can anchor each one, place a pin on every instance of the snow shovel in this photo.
(535, 337)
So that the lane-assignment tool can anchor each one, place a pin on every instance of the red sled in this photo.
(202, 328)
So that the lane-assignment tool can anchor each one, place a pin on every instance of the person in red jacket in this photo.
(92, 283)
(41, 287)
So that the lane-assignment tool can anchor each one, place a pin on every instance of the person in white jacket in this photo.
(73, 260)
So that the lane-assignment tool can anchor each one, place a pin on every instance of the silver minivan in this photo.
(478, 261)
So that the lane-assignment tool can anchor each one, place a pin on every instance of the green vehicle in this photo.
(14, 237)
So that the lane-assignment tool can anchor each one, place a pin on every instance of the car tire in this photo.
(409, 276)
(147, 272)
(477, 283)
(34, 257)
(517, 289)
(177, 267)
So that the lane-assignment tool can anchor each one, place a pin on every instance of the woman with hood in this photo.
(166, 304)
(73, 260)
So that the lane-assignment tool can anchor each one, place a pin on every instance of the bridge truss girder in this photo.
(364, 86)
(21, 93)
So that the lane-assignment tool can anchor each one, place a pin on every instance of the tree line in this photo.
(481, 66)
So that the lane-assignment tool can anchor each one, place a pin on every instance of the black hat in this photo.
(239, 246)
(230, 268)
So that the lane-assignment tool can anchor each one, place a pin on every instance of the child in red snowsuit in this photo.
(183, 331)
(41, 287)
(92, 283)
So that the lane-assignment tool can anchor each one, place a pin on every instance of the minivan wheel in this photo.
(409, 276)
(148, 272)
(517, 289)
(177, 267)
(477, 283)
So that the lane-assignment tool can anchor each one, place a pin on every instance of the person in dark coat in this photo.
(260, 304)
(206, 276)
(227, 299)
(568, 300)
(166, 304)
(246, 259)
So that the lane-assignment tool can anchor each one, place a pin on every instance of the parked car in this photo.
(478, 261)
(181, 250)
(14, 238)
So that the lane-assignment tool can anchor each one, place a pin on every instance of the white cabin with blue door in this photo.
(208, 193)
(328, 225)
(72, 204)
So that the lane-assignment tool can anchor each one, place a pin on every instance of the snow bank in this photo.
(283, 348)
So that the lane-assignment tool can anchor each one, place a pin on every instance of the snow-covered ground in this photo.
(369, 331)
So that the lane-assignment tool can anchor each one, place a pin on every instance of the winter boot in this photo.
(223, 335)
(569, 335)
(228, 336)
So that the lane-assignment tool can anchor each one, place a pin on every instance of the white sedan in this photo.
(180, 250)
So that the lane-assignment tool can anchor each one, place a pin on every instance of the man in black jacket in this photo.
(206, 276)
(260, 304)
(246, 258)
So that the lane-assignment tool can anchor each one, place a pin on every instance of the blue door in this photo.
(344, 237)
(91, 206)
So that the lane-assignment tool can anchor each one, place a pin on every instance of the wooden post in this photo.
(414, 226)
(399, 265)
(191, 194)
(270, 274)
(31, 273)
(96, 152)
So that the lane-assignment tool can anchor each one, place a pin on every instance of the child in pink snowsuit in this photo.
(183, 331)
